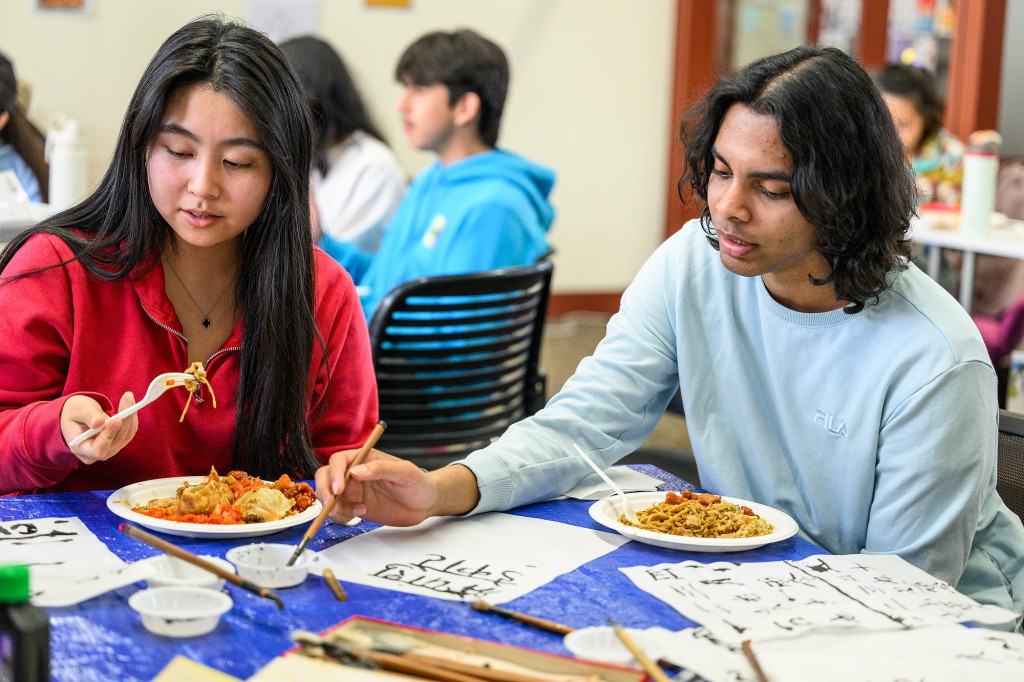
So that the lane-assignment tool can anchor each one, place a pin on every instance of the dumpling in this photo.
(263, 504)
(204, 497)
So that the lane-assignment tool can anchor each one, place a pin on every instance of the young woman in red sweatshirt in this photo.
(195, 247)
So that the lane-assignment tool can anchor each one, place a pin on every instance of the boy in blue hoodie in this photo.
(476, 207)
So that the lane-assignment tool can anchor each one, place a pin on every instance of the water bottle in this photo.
(24, 630)
(1015, 383)
(66, 154)
(978, 196)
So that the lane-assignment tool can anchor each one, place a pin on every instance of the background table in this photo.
(938, 229)
(14, 219)
(103, 639)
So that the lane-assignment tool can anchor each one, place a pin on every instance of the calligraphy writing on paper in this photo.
(438, 573)
(27, 532)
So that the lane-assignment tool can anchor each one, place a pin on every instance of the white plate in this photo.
(606, 512)
(121, 502)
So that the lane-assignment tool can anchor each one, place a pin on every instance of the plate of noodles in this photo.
(696, 522)
(264, 507)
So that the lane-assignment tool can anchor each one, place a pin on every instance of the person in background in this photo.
(16, 148)
(916, 107)
(935, 154)
(821, 373)
(476, 207)
(195, 247)
(357, 181)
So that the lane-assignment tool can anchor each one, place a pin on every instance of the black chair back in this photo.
(1010, 479)
(457, 360)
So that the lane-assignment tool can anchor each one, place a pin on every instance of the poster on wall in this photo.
(70, 6)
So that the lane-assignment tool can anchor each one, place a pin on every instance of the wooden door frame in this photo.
(972, 98)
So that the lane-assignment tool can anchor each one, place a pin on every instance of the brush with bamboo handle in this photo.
(322, 516)
(137, 533)
(649, 666)
(543, 624)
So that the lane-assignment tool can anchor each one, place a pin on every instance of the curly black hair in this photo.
(851, 178)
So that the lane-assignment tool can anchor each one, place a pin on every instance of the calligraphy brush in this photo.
(754, 663)
(539, 623)
(371, 440)
(387, 660)
(543, 624)
(649, 666)
(166, 547)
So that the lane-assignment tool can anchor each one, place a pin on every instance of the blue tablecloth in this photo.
(103, 639)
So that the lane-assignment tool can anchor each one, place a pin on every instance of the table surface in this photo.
(103, 638)
(939, 228)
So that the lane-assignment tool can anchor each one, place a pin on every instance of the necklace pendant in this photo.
(206, 322)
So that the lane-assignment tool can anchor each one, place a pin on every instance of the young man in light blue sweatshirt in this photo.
(822, 373)
(476, 207)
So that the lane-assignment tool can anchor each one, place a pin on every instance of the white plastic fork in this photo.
(627, 509)
(155, 390)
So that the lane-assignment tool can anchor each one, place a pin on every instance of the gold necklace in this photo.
(206, 314)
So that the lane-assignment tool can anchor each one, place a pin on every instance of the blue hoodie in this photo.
(10, 160)
(486, 211)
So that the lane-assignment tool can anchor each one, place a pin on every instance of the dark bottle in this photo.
(24, 630)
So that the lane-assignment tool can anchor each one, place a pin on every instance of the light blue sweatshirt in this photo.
(876, 432)
(10, 160)
(487, 211)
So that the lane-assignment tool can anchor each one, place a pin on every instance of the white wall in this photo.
(590, 96)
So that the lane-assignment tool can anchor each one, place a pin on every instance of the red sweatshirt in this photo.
(64, 332)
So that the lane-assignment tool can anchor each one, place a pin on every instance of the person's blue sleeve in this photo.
(351, 257)
(936, 456)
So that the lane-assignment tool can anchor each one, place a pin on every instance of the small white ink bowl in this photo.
(602, 644)
(180, 611)
(169, 571)
(266, 564)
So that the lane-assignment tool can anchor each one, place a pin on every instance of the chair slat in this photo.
(1010, 476)
(457, 360)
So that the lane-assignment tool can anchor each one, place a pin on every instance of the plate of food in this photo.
(234, 506)
(696, 522)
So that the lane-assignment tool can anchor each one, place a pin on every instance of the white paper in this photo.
(63, 556)
(496, 557)
(593, 486)
(778, 598)
(932, 654)
(79, 590)
(711, 658)
(284, 19)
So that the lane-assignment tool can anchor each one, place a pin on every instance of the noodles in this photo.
(196, 370)
(700, 516)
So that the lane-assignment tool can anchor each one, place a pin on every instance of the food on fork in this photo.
(196, 369)
(700, 515)
(232, 499)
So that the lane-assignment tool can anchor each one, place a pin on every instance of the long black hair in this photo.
(851, 179)
(118, 228)
(334, 102)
